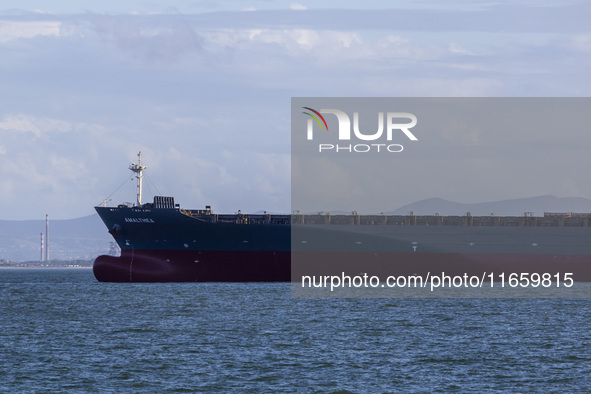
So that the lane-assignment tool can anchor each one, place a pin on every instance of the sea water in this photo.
(61, 330)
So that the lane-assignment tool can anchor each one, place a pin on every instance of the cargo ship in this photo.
(162, 242)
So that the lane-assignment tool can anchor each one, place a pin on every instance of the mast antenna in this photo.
(138, 169)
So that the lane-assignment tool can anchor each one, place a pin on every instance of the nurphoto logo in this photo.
(393, 128)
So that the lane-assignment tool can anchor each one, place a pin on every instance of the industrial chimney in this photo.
(46, 237)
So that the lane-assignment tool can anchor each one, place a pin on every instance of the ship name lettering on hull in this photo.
(139, 220)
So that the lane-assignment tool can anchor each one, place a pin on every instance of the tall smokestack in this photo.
(42, 255)
(46, 237)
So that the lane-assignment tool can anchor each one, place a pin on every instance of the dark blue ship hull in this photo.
(166, 245)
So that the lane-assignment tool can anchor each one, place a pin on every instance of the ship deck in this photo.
(548, 220)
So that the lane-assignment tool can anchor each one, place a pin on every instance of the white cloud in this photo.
(12, 30)
(581, 42)
(68, 169)
(21, 123)
(455, 48)
(165, 41)
(434, 87)
(38, 179)
(327, 47)
(7, 193)
(298, 7)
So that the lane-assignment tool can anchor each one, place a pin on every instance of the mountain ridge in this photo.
(512, 207)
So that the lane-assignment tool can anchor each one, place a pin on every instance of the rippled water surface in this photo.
(61, 330)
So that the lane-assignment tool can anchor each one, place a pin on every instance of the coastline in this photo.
(43, 268)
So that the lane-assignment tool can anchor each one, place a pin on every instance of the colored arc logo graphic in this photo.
(315, 118)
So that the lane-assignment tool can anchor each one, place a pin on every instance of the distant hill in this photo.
(514, 207)
(81, 238)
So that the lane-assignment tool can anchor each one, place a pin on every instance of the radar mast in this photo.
(138, 169)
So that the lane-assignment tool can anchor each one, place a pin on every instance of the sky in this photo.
(203, 89)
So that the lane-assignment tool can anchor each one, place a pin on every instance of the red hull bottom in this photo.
(266, 266)
(191, 266)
